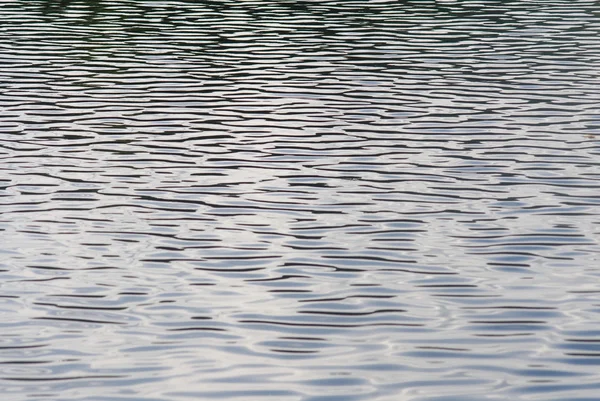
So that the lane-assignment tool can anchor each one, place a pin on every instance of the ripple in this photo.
(299, 200)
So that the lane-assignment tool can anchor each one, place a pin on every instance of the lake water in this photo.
(299, 200)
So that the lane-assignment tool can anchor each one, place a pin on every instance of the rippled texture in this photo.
(299, 200)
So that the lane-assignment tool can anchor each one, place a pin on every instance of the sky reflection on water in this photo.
(332, 200)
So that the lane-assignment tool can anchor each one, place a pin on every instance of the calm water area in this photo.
(312, 200)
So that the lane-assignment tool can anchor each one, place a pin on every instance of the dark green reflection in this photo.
(90, 7)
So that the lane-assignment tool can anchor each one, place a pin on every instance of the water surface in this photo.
(299, 200)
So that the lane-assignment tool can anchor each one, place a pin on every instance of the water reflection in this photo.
(88, 8)
(299, 200)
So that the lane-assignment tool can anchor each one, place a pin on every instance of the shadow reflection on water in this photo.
(92, 7)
